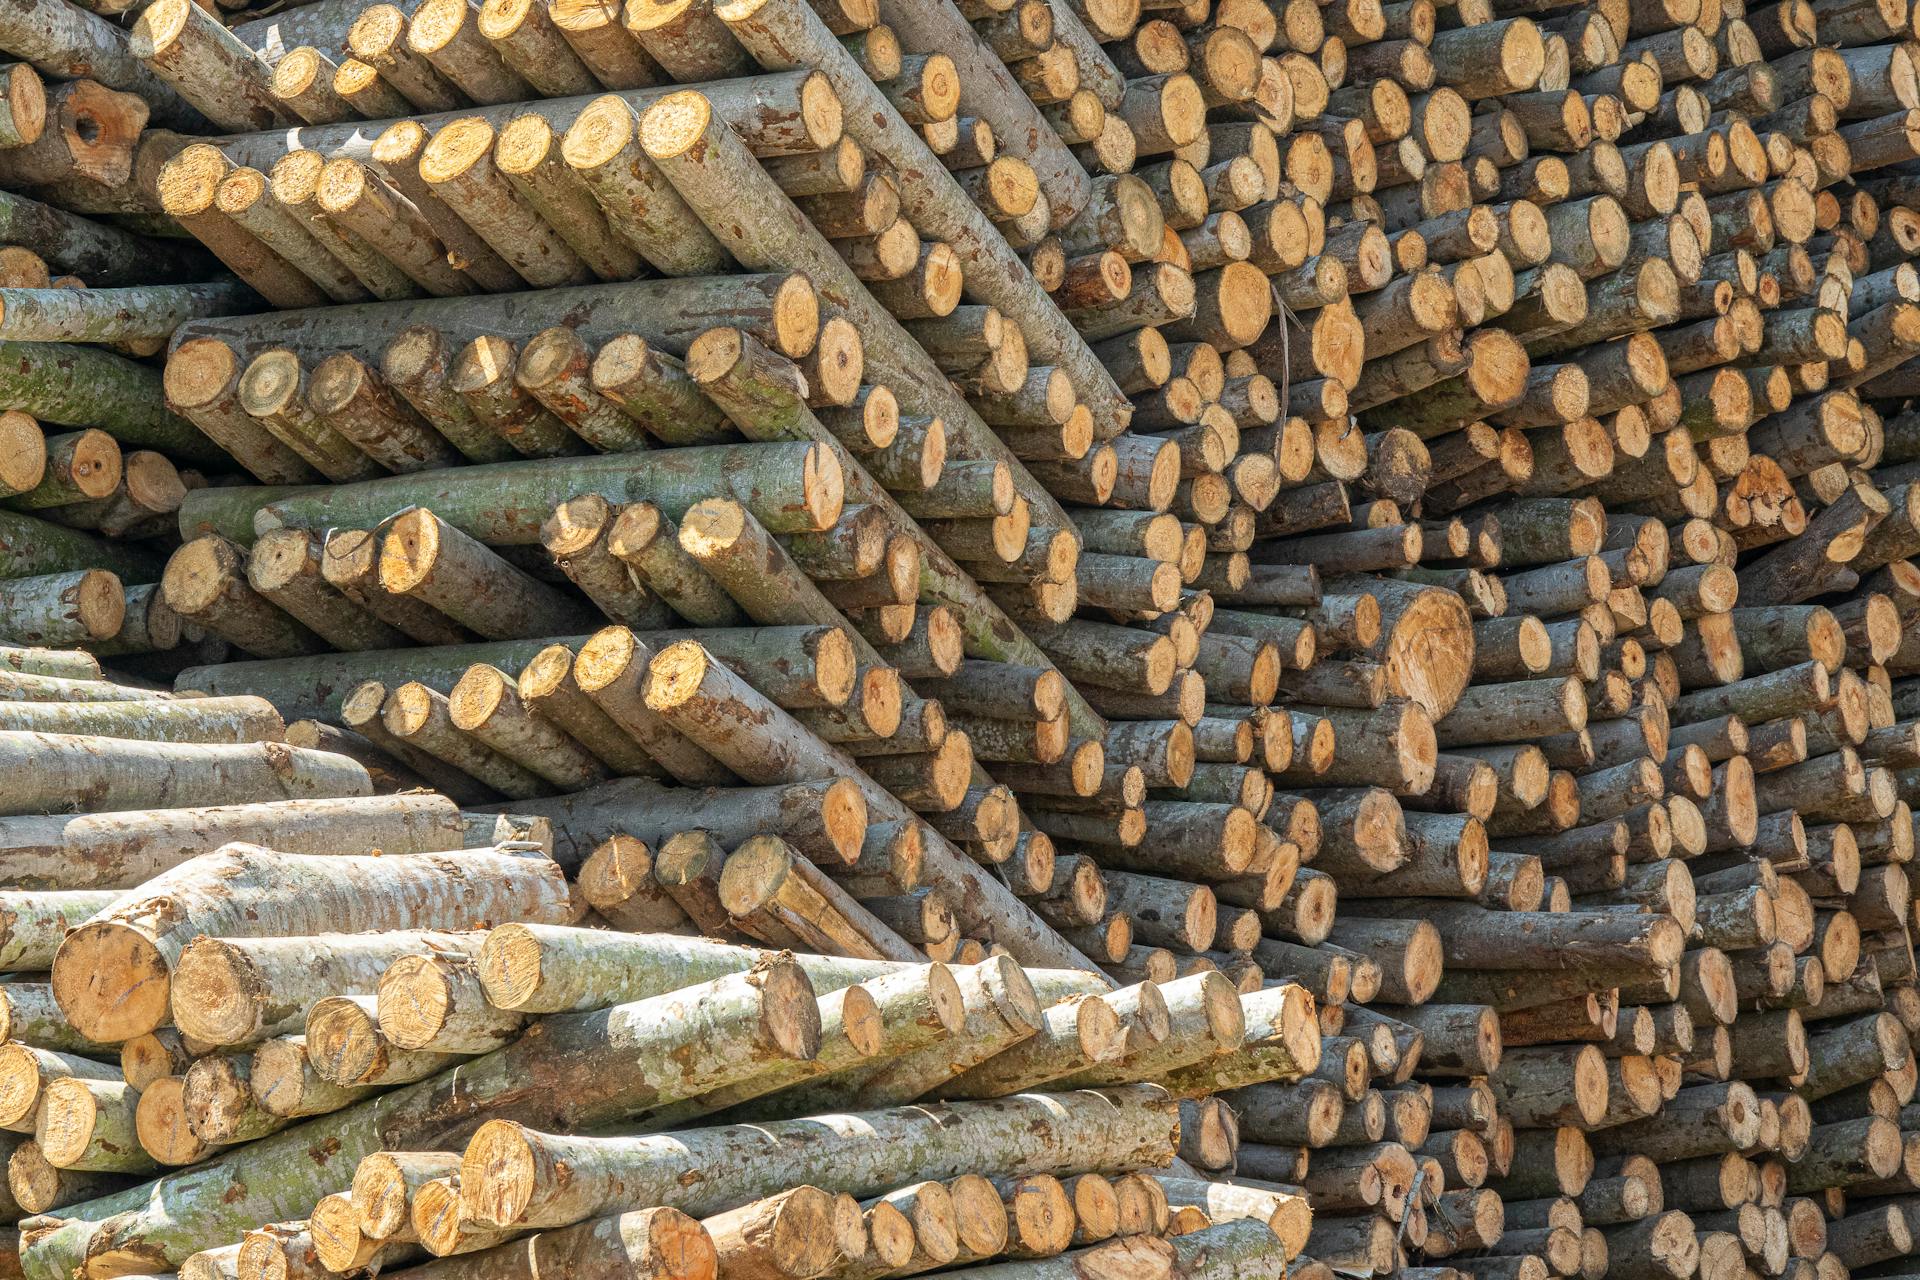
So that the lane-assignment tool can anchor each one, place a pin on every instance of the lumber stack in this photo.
(316, 1028)
(1343, 572)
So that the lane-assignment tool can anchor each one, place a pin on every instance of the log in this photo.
(224, 891)
(104, 315)
(101, 254)
(185, 46)
(789, 488)
(869, 1152)
(239, 991)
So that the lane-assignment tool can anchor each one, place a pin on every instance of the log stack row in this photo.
(1402, 502)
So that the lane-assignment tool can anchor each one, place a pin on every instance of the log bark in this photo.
(146, 314)
(132, 775)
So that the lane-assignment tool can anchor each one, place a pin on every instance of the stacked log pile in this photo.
(306, 999)
(1162, 509)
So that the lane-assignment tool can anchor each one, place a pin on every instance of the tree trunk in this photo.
(99, 253)
(434, 1001)
(144, 314)
(1079, 1033)
(774, 894)
(658, 1242)
(221, 77)
(790, 488)
(79, 386)
(538, 968)
(130, 775)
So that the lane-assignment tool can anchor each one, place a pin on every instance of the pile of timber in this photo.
(310, 1030)
(1350, 567)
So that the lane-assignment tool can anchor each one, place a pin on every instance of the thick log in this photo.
(788, 487)
(146, 314)
(80, 386)
(207, 65)
(97, 252)
(127, 774)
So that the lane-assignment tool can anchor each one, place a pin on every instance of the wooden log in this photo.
(123, 850)
(206, 65)
(225, 886)
(868, 1151)
(777, 896)
(896, 1013)
(243, 990)
(89, 1125)
(103, 255)
(83, 387)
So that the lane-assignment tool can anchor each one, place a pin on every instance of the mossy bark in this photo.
(83, 387)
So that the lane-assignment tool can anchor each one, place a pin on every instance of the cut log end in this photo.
(456, 148)
(498, 1172)
(161, 1124)
(111, 981)
(214, 993)
(409, 550)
